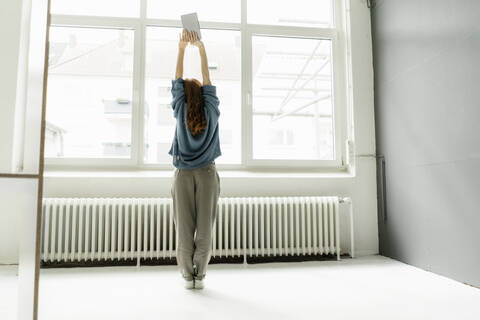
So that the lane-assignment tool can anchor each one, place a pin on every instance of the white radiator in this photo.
(83, 229)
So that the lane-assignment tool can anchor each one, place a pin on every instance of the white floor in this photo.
(371, 287)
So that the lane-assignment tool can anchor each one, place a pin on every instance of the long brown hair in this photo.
(195, 111)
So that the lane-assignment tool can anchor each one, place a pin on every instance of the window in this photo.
(89, 92)
(279, 68)
(223, 49)
(304, 13)
(207, 10)
(112, 8)
(292, 92)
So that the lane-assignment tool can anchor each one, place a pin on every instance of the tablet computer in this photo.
(190, 22)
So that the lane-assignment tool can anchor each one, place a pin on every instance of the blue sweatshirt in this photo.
(190, 152)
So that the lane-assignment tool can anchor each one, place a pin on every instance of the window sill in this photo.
(229, 174)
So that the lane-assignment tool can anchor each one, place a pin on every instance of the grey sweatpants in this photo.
(195, 195)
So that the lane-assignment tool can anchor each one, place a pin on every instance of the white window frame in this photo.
(341, 82)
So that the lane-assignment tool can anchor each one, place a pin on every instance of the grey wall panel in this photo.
(427, 105)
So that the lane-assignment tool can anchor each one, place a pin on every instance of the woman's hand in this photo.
(182, 44)
(194, 39)
(184, 39)
(203, 57)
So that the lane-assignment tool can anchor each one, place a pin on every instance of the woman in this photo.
(196, 184)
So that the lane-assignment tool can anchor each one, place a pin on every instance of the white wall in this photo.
(10, 14)
(430, 137)
(361, 187)
(9, 224)
(19, 104)
(18, 195)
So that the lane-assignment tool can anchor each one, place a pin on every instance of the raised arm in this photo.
(182, 44)
(203, 57)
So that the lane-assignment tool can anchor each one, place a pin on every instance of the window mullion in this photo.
(138, 95)
(246, 85)
(289, 31)
(93, 21)
(140, 130)
(143, 10)
(341, 84)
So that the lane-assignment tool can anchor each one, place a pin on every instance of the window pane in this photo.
(207, 10)
(89, 97)
(223, 50)
(292, 104)
(108, 8)
(306, 13)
